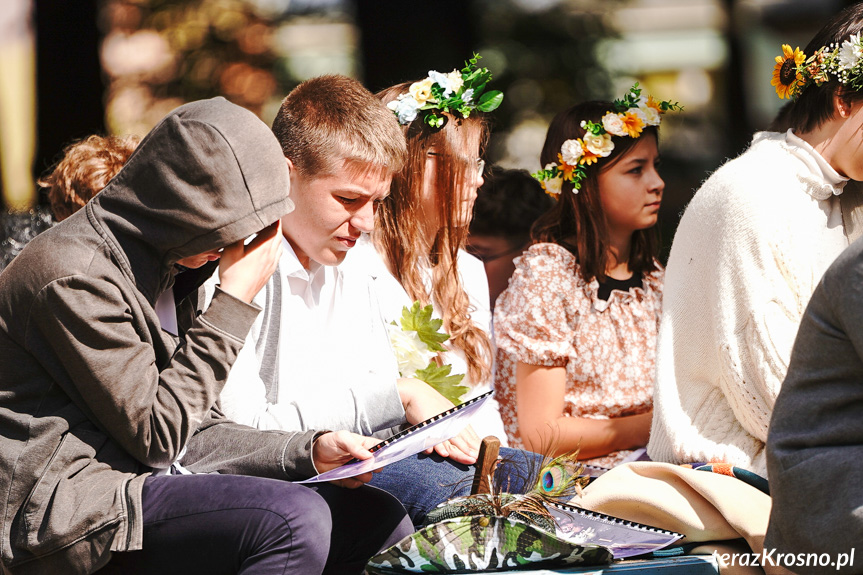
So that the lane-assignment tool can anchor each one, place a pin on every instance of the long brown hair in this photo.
(577, 221)
(401, 239)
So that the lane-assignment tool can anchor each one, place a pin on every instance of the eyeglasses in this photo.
(480, 163)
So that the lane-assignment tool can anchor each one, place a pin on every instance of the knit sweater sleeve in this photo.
(733, 283)
(759, 318)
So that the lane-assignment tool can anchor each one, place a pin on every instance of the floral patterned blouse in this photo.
(550, 316)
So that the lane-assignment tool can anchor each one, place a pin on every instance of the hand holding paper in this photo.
(420, 437)
(334, 449)
(421, 403)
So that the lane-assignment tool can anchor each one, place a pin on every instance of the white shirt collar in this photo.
(291, 266)
(824, 180)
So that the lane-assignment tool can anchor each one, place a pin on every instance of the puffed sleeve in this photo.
(535, 317)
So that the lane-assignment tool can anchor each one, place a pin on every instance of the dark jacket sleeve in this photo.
(147, 396)
(815, 444)
(227, 447)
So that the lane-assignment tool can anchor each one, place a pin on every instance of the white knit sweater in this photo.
(749, 251)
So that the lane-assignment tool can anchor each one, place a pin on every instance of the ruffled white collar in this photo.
(822, 181)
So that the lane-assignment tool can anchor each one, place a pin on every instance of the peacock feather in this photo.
(552, 480)
(561, 478)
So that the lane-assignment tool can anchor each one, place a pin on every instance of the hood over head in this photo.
(209, 174)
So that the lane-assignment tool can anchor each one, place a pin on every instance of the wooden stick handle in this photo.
(485, 462)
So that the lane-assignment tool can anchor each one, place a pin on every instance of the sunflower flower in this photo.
(787, 78)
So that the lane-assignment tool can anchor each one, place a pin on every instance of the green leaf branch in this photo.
(419, 319)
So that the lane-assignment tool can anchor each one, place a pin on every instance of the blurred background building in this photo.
(72, 68)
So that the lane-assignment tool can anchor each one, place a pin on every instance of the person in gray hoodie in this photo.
(95, 397)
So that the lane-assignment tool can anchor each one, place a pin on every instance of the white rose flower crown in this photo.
(628, 118)
(457, 92)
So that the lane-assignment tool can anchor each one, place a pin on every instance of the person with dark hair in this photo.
(750, 249)
(100, 401)
(576, 328)
(506, 206)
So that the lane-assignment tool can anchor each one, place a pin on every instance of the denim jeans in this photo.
(423, 481)
(226, 524)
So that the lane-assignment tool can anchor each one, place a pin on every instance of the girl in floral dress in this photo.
(576, 328)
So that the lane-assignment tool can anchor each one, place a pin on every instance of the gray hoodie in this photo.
(93, 393)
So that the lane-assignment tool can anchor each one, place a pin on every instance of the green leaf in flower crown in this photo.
(471, 63)
(419, 319)
(434, 120)
(595, 128)
(478, 89)
(490, 101)
(479, 79)
(437, 92)
(440, 379)
(473, 79)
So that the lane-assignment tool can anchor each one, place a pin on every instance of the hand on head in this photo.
(245, 269)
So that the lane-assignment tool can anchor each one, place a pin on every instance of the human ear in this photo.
(842, 104)
(290, 165)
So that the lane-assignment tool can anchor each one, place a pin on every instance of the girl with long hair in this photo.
(576, 328)
(421, 230)
(416, 255)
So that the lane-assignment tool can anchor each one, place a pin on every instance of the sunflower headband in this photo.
(794, 72)
(457, 92)
(628, 118)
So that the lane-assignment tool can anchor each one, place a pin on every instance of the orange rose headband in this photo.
(628, 118)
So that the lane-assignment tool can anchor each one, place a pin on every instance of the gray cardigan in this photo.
(93, 394)
(815, 443)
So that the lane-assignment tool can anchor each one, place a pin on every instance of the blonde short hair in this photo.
(332, 118)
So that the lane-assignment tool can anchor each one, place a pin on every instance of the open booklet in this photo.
(624, 538)
(412, 440)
